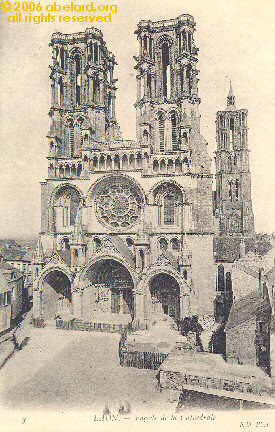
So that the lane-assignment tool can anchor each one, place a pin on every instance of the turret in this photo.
(233, 179)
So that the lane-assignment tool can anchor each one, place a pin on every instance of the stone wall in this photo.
(240, 343)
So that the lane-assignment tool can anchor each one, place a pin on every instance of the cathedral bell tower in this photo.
(233, 178)
(167, 93)
(83, 99)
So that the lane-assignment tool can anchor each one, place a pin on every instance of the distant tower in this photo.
(233, 179)
(38, 260)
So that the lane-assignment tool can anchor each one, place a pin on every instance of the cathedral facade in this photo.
(127, 227)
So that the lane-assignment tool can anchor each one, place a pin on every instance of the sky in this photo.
(236, 40)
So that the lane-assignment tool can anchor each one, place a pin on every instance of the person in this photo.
(106, 410)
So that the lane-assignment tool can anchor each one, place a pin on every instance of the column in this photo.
(145, 88)
(146, 258)
(53, 92)
(121, 302)
(51, 221)
(37, 304)
(139, 312)
(91, 89)
(113, 106)
(184, 305)
(101, 92)
(138, 87)
(184, 75)
(174, 168)
(153, 85)
(140, 46)
(179, 42)
(187, 222)
(138, 259)
(77, 304)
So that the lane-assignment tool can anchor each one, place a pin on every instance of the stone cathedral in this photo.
(127, 227)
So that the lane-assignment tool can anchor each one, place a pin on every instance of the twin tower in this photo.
(83, 119)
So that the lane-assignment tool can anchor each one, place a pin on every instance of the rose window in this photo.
(118, 205)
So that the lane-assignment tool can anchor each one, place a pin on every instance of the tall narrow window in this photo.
(151, 47)
(166, 70)
(169, 210)
(179, 41)
(175, 244)
(184, 40)
(229, 163)
(185, 138)
(95, 53)
(231, 131)
(237, 189)
(145, 44)
(230, 191)
(66, 214)
(149, 85)
(228, 282)
(181, 81)
(175, 145)
(96, 90)
(77, 79)
(189, 42)
(189, 78)
(163, 244)
(221, 284)
(91, 51)
(62, 58)
(60, 91)
(161, 133)
(142, 260)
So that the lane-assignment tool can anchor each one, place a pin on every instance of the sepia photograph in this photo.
(137, 229)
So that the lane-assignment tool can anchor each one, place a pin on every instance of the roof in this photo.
(271, 275)
(171, 258)
(211, 366)
(8, 269)
(86, 124)
(246, 269)
(248, 307)
(3, 283)
(28, 256)
(65, 255)
(123, 249)
(226, 248)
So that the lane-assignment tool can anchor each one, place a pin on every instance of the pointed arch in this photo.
(124, 161)
(102, 163)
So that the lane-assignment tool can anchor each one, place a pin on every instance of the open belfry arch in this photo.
(126, 226)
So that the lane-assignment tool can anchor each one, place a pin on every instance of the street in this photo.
(75, 370)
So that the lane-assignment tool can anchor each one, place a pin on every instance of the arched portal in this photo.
(112, 288)
(56, 296)
(165, 294)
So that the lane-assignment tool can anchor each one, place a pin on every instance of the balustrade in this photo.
(119, 161)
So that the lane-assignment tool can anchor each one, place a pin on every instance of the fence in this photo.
(38, 322)
(141, 359)
(89, 326)
(138, 359)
